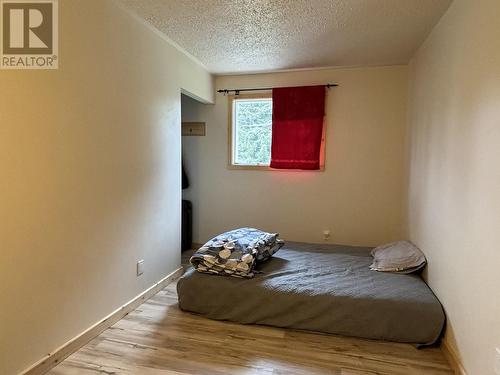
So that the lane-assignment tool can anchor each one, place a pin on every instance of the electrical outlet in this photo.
(497, 362)
(140, 267)
(326, 234)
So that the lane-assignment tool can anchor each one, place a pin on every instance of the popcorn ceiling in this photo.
(233, 36)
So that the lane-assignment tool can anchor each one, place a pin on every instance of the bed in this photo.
(324, 288)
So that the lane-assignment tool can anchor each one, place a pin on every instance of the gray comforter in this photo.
(326, 288)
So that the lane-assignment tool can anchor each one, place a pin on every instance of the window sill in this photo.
(268, 168)
(250, 167)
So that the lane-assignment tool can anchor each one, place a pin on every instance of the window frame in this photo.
(230, 141)
(231, 132)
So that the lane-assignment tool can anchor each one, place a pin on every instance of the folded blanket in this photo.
(235, 253)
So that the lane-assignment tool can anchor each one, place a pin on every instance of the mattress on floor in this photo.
(325, 288)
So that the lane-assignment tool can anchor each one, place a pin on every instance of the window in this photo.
(250, 130)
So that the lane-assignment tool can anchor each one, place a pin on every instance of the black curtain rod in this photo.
(237, 91)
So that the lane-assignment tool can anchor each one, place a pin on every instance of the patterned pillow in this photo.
(236, 252)
(267, 251)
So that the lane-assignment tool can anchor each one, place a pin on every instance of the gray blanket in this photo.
(325, 288)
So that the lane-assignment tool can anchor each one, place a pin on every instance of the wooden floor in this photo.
(158, 338)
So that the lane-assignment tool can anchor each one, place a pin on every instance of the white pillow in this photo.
(400, 257)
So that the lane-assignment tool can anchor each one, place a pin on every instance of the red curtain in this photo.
(297, 127)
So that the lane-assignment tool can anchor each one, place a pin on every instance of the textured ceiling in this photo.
(232, 36)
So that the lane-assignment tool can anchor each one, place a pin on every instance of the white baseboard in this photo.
(453, 358)
(58, 355)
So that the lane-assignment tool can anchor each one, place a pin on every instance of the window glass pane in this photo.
(252, 131)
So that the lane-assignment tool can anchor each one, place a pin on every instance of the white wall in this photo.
(454, 182)
(90, 181)
(358, 196)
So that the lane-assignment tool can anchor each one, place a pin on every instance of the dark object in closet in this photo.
(187, 225)
(185, 180)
